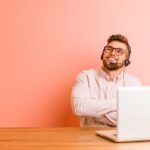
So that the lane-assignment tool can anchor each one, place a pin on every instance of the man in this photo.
(94, 95)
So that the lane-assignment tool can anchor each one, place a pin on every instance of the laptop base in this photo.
(112, 136)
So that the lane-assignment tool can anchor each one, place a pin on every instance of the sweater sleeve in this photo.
(83, 105)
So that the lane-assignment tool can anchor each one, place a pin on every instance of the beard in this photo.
(112, 66)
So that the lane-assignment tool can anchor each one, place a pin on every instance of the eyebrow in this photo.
(115, 47)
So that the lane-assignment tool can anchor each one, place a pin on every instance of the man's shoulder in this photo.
(132, 79)
(130, 76)
(89, 73)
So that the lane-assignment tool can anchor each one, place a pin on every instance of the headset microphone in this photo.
(126, 62)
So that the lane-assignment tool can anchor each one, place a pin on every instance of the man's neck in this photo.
(112, 74)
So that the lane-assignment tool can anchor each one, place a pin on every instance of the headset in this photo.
(126, 61)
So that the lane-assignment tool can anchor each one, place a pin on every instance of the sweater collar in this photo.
(105, 76)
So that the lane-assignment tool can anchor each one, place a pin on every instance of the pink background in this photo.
(44, 44)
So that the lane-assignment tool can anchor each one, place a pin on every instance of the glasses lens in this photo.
(118, 51)
(108, 49)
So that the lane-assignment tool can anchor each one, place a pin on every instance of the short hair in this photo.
(120, 38)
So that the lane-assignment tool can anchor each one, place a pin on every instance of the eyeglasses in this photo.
(118, 51)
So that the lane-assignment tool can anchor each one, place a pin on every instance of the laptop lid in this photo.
(133, 113)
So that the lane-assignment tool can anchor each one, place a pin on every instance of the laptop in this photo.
(133, 117)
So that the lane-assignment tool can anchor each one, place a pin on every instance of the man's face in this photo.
(114, 56)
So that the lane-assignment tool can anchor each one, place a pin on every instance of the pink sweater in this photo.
(94, 98)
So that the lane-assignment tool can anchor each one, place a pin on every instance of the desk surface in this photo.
(61, 139)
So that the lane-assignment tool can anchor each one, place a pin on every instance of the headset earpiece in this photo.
(126, 62)
(102, 56)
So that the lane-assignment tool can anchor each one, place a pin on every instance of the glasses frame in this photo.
(112, 49)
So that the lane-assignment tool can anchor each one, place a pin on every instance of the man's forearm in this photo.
(92, 108)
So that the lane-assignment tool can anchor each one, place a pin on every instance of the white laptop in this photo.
(133, 117)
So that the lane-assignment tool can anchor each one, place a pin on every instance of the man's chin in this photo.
(112, 67)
